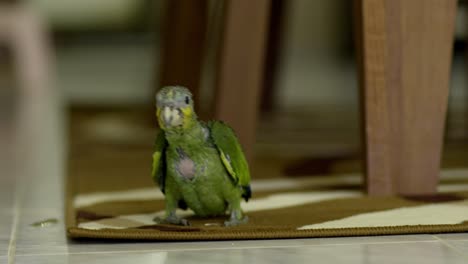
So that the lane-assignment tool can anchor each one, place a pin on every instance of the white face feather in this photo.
(167, 113)
(172, 116)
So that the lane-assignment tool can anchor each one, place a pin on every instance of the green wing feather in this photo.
(159, 160)
(231, 155)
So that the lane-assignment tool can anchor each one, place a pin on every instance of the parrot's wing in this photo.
(159, 160)
(231, 155)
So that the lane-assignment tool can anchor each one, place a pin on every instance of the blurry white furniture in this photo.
(22, 30)
(24, 34)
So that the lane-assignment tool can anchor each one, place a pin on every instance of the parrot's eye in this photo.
(187, 100)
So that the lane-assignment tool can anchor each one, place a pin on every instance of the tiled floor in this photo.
(428, 252)
(399, 249)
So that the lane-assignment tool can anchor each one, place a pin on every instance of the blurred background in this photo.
(106, 60)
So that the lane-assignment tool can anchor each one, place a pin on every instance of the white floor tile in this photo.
(423, 252)
(7, 188)
(459, 245)
(453, 236)
(5, 225)
(40, 240)
(4, 247)
(90, 246)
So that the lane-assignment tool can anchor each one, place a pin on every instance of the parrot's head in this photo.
(174, 108)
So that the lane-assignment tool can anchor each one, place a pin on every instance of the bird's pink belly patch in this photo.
(186, 168)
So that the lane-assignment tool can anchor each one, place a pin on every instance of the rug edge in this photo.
(138, 234)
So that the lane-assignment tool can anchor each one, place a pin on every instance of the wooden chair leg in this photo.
(278, 12)
(240, 74)
(183, 44)
(406, 57)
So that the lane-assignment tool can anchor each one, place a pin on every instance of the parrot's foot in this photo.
(173, 220)
(233, 221)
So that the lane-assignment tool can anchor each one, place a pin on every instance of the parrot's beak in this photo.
(171, 116)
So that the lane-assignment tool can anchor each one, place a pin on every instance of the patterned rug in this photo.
(280, 208)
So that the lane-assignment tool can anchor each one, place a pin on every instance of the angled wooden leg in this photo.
(278, 11)
(406, 55)
(239, 78)
(183, 44)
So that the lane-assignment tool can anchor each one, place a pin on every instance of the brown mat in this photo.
(276, 223)
(298, 211)
(110, 196)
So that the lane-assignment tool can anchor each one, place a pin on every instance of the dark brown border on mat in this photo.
(136, 234)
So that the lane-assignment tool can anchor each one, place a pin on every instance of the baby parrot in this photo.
(197, 165)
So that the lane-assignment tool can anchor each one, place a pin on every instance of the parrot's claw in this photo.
(173, 220)
(236, 222)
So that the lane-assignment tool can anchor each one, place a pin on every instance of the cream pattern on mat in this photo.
(432, 214)
(275, 201)
(152, 193)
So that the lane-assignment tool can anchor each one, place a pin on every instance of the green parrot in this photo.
(197, 165)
